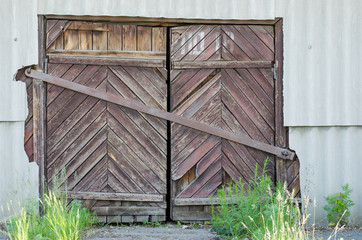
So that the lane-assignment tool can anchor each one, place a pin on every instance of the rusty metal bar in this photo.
(239, 138)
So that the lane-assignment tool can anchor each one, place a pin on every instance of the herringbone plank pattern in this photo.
(104, 147)
(236, 100)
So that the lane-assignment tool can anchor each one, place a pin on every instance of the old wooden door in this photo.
(116, 160)
(207, 85)
(113, 157)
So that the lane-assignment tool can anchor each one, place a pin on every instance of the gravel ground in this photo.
(150, 233)
(171, 231)
(345, 234)
(3, 236)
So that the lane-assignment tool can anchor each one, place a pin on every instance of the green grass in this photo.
(60, 221)
(258, 210)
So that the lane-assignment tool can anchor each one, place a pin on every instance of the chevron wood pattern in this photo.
(105, 148)
(236, 100)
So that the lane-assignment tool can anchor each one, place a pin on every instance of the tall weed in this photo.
(60, 220)
(256, 210)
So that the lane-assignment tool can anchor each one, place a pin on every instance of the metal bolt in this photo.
(285, 153)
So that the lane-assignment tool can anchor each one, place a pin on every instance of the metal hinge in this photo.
(275, 71)
(46, 60)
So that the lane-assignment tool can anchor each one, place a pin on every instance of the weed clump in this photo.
(60, 220)
(338, 205)
(257, 210)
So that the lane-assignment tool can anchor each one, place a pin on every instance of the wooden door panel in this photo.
(235, 100)
(105, 148)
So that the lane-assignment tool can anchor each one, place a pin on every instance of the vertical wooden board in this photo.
(159, 39)
(99, 40)
(114, 37)
(59, 42)
(71, 40)
(85, 40)
(144, 38)
(129, 38)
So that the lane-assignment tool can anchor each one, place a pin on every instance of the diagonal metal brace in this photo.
(238, 138)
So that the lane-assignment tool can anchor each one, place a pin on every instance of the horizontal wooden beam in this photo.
(222, 64)
(195, 201)
(156, 112)
(159, 55)
(161, 21)
(182, 215)
(108, 61)
(115, 196)
(129, 211)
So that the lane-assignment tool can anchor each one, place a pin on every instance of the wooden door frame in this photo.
(39, 90)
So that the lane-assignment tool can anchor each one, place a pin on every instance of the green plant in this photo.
(257, 210)
(60, 220)
(179, 223)
(337, 206)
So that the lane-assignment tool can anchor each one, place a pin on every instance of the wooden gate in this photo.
(115, 157)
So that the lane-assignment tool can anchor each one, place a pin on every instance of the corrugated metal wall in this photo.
(322, 59)
(330, 157)
(209, 9)
(18, 47)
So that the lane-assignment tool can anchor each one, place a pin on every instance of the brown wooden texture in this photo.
(243, 139)
(28, 132)
(225, 79)
(287, 172)
(113, 157)
(238, 100)
(81, 35)
(103, 147)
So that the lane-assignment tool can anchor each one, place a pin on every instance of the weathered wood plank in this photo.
(53, 33)
(191, 216)
(100, 40)
(280, 130)
(106, 61)
(129, 38)
(85, 40)
(128, 210)
(114, 37)
(196, 201)
(115, 196)
(71, 40)
(159, 39)
(221, 64)
(87, 26)
(39, 112)
(214, 169)
(109, 53)
(144, 38)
